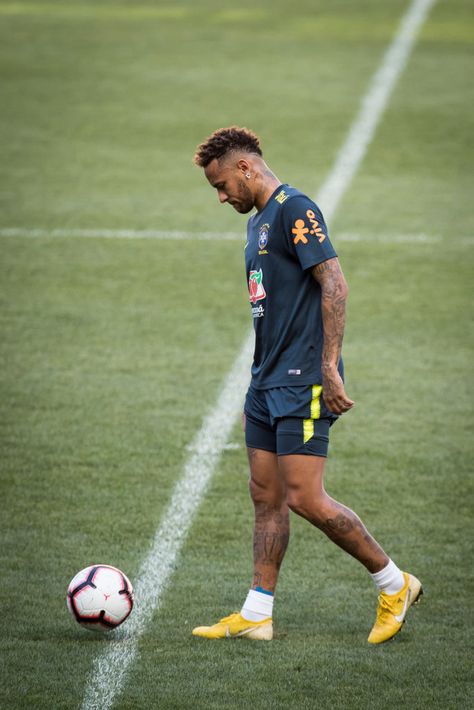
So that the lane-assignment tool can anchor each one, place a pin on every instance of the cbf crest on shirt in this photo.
(284, 241)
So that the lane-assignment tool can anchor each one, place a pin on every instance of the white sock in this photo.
(390, 579)
(257, 606)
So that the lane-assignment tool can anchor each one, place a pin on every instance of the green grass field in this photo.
(113, 350)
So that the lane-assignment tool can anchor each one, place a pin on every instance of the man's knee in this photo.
(297, 502)
(266, 494)
(307, 504)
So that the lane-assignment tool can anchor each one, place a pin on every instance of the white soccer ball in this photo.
(100, 597)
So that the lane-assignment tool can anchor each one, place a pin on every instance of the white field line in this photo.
(100, 233)
(110, 668)
(136, 234)
(362, 131)
(404, 238)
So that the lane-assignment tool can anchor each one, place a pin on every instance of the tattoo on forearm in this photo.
(333, 307)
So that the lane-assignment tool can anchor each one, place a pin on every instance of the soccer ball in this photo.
(100, 597)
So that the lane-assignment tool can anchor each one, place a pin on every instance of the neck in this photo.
(267, 184)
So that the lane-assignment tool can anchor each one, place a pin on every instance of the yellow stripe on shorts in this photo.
(316, 402)
(308, 429)
(315, 413)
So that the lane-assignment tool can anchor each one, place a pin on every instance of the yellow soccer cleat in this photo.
(393, 608)
(234, 626)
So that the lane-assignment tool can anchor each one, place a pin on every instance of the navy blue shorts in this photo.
(288, 420)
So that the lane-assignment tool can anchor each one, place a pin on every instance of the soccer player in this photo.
(297, 294)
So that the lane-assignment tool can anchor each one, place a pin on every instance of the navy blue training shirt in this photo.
(284, 241)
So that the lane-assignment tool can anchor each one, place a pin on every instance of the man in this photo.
(298, 294)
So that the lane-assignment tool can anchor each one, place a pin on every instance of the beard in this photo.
(244, 202)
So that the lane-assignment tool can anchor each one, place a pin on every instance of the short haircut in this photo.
(225, 140)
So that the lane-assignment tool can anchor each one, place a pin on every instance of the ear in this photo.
(243, 165)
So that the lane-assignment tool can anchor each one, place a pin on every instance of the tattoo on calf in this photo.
(267, 514)
(271, 536)
(268, 551)
(341, 524)
(348, 531)
(269, 548)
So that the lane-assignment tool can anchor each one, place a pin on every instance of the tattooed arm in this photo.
(333, 306)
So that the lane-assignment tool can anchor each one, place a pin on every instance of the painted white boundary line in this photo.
(99, 233)
(373, 105)
(110, 668)
(137, 234)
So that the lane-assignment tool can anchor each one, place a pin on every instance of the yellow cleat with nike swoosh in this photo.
(393, 608)
(235, 626)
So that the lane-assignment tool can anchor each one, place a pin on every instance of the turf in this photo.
(113, 350)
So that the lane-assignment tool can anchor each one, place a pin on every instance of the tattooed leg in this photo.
(346, 529)
(307, 497)
(270, 540)
(272, 527)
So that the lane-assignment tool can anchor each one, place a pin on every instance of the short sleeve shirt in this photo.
(284, 241)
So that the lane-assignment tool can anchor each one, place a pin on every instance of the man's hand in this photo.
(334, 393)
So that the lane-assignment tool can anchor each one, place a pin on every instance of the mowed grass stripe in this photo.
(171, 235)
(110, 669)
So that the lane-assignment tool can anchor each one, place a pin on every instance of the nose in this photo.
(223, 196)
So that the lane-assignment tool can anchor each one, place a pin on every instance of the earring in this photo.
(247, 175)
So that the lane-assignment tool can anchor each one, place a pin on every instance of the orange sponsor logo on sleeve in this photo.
(300, 230)
(316, 229)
